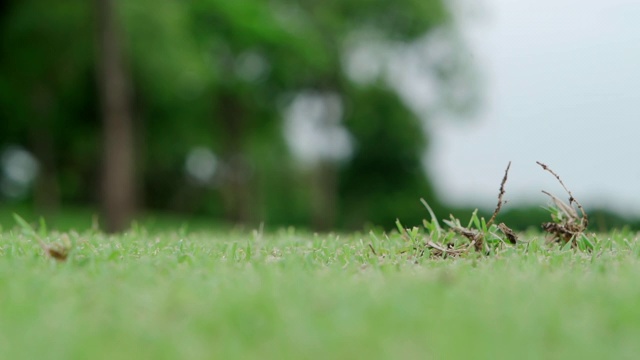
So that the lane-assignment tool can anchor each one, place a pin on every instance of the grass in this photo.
(291, 295)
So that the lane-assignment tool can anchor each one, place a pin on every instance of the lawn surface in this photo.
(291, 295)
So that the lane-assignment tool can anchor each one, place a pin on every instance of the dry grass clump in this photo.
(566, 225)
(485, 237)
(58, 250)
(482, 236)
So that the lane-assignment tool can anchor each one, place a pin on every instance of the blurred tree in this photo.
(47, 96)
(222, 69)
(260, 58)
(219, 77)
(385, 176)
(45, 54)
(118, 177)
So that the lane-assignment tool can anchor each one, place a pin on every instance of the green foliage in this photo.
(385, 174)
(46, 53)
(218, 74)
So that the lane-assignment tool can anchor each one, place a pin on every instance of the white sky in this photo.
(561, 82)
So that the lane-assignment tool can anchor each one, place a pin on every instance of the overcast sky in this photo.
(561, 81)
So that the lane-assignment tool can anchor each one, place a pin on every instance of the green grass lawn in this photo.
(290, 295)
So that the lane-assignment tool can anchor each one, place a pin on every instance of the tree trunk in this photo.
(118, 177)
(47, 190)
(324, 195)
(236, 187)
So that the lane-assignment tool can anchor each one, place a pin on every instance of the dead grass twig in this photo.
(572, 199)
(511, 236)
(500, 195)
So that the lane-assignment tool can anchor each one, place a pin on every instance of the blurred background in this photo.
(327, 115)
